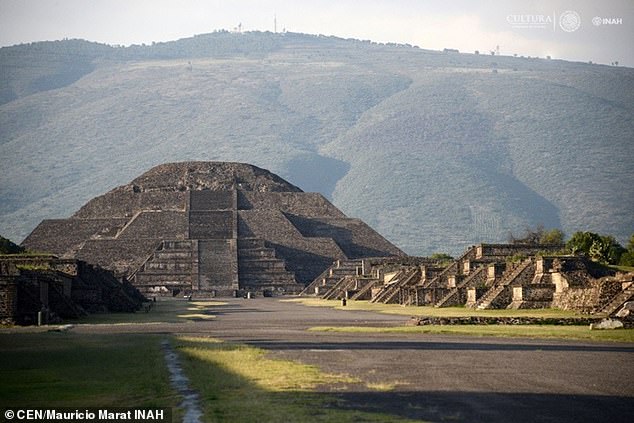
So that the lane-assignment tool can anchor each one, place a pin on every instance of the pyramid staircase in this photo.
(389, 293)
(169, 266)
(457, 295)
(454, 268)
(346, 285)
(617, 302)
(330, 277)
(260, 269)
(500, 295)
(365, 292)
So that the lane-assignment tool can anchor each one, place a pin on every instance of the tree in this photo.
(601, 248)
(539, 236)
(552, 237)
(8, 247)
(580, 242)
(627, 258)
(441, 257)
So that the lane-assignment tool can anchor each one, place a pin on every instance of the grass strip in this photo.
(77, 370)
(434, 311)
(508, 331)
(239, 383)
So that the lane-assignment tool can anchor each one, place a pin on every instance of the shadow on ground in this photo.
(232, 397)
(475, 407)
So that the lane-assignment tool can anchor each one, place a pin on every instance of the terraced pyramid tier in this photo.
(211, 228)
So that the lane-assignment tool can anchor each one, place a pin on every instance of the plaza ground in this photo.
(365, 376)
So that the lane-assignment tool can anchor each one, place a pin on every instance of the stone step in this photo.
(263, 274)
(261, 265)
(256, 253)
(251, 243)
(162, 278)
(167, 265)
(620, 299)
(454, 295)
(266, 279)
(172, 254)
(176, 245)
(158, 271)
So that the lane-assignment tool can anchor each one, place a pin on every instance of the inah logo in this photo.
(598, 21)
(570, 21)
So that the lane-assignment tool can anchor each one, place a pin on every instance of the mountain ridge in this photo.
(436, 151)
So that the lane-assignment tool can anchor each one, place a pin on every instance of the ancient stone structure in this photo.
(58, 289)
(210, 228)
(485, 276)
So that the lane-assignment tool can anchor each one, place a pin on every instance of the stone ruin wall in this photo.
(8, 300)
(62, 287)
(588, 297)
(509, 250)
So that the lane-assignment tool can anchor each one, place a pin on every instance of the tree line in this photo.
(603, 249)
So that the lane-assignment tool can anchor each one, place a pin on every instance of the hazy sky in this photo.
(467, 25)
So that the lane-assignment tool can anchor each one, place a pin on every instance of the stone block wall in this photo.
(533, 296)
(8, 299)
(590, 297)
(212, 224)
(212, 200)
(508, 250)
(217, 265)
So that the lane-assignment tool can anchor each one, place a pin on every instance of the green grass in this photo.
(433, 311)
(239, 383)
(76, 370)
(509, 331)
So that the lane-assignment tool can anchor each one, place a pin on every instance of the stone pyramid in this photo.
(210, 228)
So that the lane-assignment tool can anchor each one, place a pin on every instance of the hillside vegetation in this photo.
(436, 151)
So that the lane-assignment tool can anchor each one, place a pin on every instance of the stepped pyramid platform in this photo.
(210, 228)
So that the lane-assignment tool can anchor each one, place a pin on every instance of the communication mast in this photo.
(275, 23)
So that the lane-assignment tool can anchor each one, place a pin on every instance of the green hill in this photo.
(436, 151)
